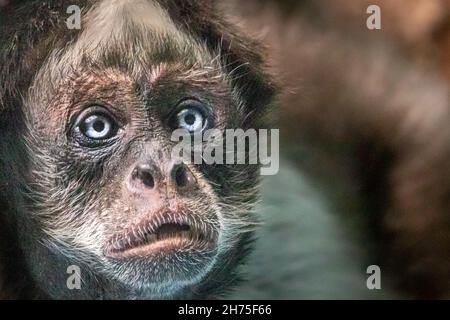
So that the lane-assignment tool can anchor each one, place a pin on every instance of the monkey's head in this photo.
(86, 170)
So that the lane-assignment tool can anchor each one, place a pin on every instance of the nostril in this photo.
(144, 175)
(183, 177)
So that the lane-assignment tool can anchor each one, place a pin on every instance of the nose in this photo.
(178, 176)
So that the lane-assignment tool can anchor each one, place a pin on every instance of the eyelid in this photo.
(89, 111)
(185, 103)
(77, 120)
(93, 109)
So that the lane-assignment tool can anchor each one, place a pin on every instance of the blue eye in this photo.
(191, 117)
(95, 125)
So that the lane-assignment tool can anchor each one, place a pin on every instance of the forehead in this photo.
(135, 35)
(133, 25)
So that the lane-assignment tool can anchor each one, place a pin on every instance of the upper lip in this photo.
(149, 231)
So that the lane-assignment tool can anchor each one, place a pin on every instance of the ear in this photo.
(240, 55)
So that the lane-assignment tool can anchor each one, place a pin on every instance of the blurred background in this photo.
(364, 117)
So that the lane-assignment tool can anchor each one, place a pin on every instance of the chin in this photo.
(164, 254)
(164, 276)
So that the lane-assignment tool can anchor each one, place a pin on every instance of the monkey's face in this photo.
(106, 193)
(107, 186)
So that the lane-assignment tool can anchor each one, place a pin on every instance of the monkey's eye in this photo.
(98, 127)
(96, 124)
(191, 116)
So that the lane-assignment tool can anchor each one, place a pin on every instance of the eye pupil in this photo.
(189, 119)
(99, 126)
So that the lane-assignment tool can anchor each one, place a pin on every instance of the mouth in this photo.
(163, 233)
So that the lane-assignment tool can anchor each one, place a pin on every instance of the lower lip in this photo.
(166, 246)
